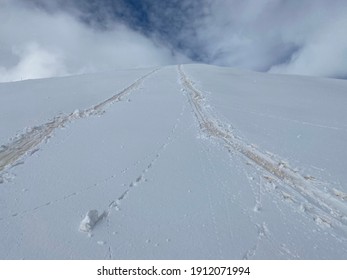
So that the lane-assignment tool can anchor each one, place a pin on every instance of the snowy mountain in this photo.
(179, 162)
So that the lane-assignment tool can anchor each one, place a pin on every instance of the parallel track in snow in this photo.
(27, 143)
(326, 208)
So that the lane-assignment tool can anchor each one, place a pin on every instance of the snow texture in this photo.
(182, 162)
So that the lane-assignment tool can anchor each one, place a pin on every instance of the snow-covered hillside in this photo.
(180, 162)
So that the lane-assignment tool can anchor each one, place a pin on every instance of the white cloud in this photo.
(33, 62)
(36, 44)
(295, 37)
(324, 53)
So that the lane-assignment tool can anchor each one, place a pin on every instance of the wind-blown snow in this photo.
(186, 162)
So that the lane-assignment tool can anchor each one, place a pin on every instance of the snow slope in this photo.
(180, 162)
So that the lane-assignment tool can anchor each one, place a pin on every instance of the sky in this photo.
(40, 38)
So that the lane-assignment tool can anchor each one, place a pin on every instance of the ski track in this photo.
(27, 143)
(114, 204)
(257, 185)
(327, 208)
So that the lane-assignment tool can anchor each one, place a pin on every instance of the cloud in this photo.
(293, 37)
(33, 62)
(323, 54)
(41, 38)
(36, 43)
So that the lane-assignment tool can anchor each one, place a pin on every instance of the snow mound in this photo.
(90, 220)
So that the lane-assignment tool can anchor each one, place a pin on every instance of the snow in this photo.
(181, 162)
(90, 220)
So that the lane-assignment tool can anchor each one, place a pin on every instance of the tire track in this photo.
(326, 208)
(26, 144)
